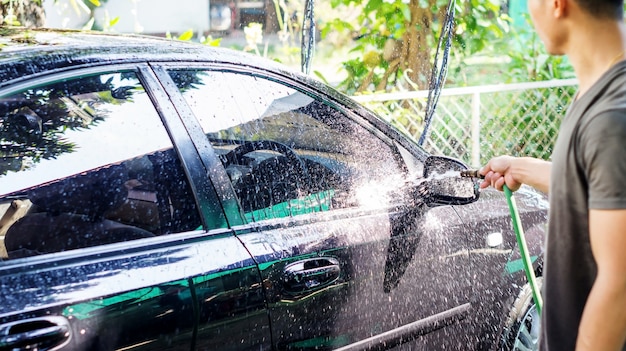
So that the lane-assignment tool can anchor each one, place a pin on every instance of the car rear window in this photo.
(85, 162)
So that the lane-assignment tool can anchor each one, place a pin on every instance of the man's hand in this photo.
(515, 171)
(497, 173)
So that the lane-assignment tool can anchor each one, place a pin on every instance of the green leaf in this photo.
(321, 76)
(114, 21)
(373, 5)
(186, 35)
(541, 61)
(212, 42)
(406, 13)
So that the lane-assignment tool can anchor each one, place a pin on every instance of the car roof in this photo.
(26, 52)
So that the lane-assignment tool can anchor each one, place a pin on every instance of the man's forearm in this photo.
(533, 172)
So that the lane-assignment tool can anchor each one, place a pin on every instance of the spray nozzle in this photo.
(471, 173)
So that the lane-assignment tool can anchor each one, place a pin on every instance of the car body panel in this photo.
(399, 275)
(497, 265)
(372, 250)
(382, 267)
(113, 297)
(109, 297)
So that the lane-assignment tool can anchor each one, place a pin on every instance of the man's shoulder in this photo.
(615, 82)
(610, 96)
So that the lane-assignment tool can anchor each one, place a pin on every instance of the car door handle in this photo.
(42, 333)
(309, 274)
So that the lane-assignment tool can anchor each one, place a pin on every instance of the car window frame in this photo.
(365, 118)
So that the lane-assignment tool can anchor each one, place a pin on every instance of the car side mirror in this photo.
(443, 185)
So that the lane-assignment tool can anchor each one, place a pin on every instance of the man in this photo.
(584, 287)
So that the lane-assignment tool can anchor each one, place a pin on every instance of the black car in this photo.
(165, 195)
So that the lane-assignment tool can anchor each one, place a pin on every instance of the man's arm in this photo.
(603, 324)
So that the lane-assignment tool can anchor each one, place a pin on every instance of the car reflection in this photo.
(405, 238)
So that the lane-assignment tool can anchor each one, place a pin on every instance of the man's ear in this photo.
(560, 8)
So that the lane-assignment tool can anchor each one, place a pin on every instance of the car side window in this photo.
(85, 162)
(288, 153)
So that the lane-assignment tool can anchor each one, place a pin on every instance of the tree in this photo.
(30, 13)
(34, 122)
(398, 38)
(27, 13)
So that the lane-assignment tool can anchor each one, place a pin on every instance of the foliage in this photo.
(392, 44)
(532, 121)
(34, 122)
(522, 123)
(397, 38)
(529, 60)
(89, 6)
(27, 13)
(289, 17)
(526, 123)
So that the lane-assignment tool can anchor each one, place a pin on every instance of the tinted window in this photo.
(288, 153)
(85, 162)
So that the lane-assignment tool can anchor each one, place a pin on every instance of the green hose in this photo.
(521, 242)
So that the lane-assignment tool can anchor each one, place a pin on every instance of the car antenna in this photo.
(308, 36)
(438, 74)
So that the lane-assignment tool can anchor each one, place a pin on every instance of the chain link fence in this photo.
(476, 123)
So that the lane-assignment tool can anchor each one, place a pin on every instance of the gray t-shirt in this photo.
(588, 172)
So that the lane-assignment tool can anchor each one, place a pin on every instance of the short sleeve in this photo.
(603, 146)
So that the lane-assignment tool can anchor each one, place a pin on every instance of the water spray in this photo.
(519, 234)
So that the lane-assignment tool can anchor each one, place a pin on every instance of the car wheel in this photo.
(522, 328)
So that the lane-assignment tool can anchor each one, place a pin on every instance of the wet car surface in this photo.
(162, 195)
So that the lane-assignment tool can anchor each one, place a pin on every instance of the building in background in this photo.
(158, 17)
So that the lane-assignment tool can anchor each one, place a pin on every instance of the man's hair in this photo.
(613, 9)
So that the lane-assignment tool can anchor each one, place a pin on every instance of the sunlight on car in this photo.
(377, 194)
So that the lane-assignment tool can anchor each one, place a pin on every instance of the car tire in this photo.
(521, 331)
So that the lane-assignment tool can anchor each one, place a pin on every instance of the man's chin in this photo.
(555, 52)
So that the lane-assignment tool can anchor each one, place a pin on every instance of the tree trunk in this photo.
(27, 12)
(271, 17)
(416, 57)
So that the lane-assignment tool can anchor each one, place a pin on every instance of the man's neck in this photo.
(595, 48)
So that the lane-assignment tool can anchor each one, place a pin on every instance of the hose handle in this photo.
(471, 173)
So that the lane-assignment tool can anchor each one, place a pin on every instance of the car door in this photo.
(106, 243)
(499, 276)
(349, 256)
